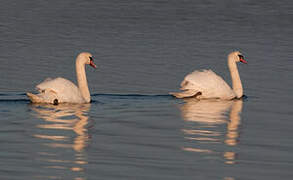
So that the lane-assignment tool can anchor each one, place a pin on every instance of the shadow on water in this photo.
(133, 96)
(203, 124)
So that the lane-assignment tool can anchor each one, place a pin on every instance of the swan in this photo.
(206, 84)
(60, 90)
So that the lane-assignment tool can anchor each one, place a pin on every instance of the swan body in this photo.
(60, 90)
(206, 84)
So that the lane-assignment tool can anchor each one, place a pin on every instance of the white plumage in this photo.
(206, 84)
(60, 90)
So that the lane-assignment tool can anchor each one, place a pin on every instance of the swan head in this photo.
(236, 56)
(86, 58)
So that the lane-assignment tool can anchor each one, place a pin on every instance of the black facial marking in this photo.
(240, 56)
(91, 58)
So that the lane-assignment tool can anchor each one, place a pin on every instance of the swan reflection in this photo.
(63, 127)
(204, 123)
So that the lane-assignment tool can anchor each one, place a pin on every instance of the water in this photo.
(133, 129)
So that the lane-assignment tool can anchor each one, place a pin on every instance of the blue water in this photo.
(133, 129)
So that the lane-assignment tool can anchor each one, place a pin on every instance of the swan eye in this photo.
(91, 58)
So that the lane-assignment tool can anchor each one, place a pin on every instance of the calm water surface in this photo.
(133, 129)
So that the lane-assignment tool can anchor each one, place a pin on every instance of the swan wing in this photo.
(186, 93)
(208, 83)
(61, 89)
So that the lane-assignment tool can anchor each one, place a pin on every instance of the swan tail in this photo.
(46, 96)
(186, 94)
(34, 98)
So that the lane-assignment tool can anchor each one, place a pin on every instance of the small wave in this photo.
(21, 97)
(12, 94)
(14, 100)
(10, 97)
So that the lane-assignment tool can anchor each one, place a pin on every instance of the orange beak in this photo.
(93, 64)
(243, 61)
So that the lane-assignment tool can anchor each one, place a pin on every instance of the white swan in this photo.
(60, 90)
(206, 84)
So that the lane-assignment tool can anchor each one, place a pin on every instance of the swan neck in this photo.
(236, 81)
(82, 81)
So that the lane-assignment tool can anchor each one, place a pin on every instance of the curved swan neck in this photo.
(81, 80)
(236, 82)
